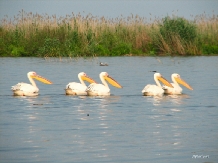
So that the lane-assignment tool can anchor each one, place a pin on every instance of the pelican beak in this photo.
(88, 79)
(113, 82)
(184, 83)
(41, 79)
(165, 82)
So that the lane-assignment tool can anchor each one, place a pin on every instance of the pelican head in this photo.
(85, 77)
(34, 75)
(159, 77)
(110, 80)
(176, 77)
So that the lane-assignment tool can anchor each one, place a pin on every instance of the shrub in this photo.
(101, 50)
(210, 49)
(121, 49)
(176, 36)
(51, 48)
(16, 51)
(178, 26)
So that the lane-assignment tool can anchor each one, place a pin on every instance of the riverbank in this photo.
(37, 35)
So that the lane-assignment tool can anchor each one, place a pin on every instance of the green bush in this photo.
(101, 50)
(16, 51)
(210, 49)
(121, 49)
(178, 26)
(51, 48)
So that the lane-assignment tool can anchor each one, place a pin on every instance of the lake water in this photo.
(125, 127)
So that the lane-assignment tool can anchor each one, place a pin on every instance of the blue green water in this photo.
(125, 127)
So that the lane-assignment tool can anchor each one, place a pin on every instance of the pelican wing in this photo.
(175, 90)
(76, 86)
(98, 89)
(150, 90)
(25, 88)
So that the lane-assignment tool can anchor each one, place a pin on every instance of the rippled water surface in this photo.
(125, 127)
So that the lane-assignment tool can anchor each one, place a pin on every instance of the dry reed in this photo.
(79, 35)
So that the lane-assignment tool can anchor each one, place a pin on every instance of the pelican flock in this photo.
(24, 89)
(94, 89)
(176, 88)
(102, 89)
(74, 88)
(153, 90)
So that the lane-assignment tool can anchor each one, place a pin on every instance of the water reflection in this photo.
(178, 99)
(94, 110)
(104, 101)
(167, 111)
(34, 100)
(156, 100)
(76, 97)
(159, 100)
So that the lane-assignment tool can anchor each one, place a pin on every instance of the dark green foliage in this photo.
(74, 41)
(178, 26)
(16, 51)
(101, 50)
(89, 35)
(113, 44)
(121, 49)
(151, 49)
(210, 49)
(3, 49)
(51, 48)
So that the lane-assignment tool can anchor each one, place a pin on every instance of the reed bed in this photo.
(29, 34)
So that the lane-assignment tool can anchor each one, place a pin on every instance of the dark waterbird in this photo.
(103, 64)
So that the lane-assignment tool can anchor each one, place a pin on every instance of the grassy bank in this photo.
(31, 34)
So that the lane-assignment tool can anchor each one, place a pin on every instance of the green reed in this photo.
(31, 34)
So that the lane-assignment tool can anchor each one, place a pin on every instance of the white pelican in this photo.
(24, 89)
(102, 89)
(177, 89)
(74, 88)
(153, 90)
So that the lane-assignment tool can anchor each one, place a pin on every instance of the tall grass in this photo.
(29, 34)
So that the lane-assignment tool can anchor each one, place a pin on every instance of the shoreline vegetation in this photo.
(34, 35)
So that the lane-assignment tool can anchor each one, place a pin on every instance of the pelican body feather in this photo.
(25, 89)
(102, 89)
(176, 87)
(155, 90)
(74, 88)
